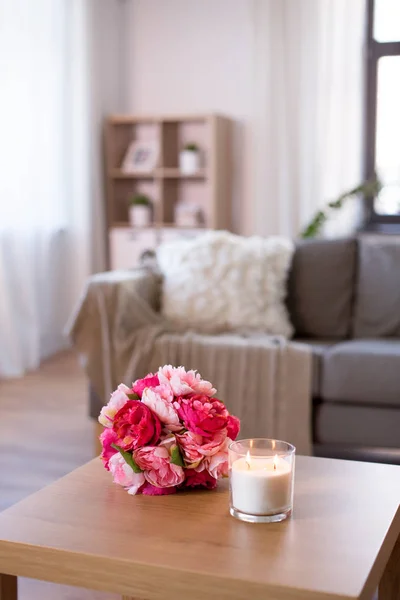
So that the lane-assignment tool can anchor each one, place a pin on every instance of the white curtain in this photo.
(307, 130)
(44, 176)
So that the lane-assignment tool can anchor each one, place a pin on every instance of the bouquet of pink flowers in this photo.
(166, 433)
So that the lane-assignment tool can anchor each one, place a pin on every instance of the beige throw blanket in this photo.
(120, 336)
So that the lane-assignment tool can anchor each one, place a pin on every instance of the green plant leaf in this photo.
(140, 200)
(128, 458)
(176, 457)
(192, 147)
(133, 396)
(367, 188)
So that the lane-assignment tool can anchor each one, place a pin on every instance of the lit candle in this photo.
(261, 485)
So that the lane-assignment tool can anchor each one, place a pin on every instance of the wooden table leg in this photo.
(389, 587)
(8, 587)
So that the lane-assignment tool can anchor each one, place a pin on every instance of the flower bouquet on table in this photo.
(166, 433)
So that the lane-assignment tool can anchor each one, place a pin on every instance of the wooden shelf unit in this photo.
(208, 189)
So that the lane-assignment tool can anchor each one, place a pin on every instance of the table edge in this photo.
(121, 576)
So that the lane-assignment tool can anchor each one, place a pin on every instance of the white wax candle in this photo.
(261, 486)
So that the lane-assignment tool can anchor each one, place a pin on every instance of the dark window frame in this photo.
(374, 51)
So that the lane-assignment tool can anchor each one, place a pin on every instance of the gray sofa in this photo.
(344, 301)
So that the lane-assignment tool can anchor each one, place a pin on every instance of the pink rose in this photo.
(124, 475)
(135, 425)
(107, 438)
(184, 382)
(233, 427)
(218, 464)
(155, 461)
(189, 444)
(140, 384)
(168, 441)
(151, 490)
(116, 402)
(194, 447)
(203, 415)
(159, 400)
(198, 479)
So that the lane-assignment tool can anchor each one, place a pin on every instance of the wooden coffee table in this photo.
(342, 541)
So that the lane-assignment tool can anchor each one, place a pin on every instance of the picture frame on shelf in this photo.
(141, 157)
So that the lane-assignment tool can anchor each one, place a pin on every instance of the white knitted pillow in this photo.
(223, 282)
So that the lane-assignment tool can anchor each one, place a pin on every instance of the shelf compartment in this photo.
(119, 136)
(176, 135)
(189, 191)
(123, 190)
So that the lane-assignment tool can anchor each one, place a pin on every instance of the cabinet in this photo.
(127, 245)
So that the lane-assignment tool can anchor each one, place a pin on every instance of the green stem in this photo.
(314, 227)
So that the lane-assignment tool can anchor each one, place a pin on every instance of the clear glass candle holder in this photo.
(261, 476)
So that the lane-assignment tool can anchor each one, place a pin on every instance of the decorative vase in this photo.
(139, 215)
(189, 162)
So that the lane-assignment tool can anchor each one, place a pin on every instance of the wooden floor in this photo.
(44, 434)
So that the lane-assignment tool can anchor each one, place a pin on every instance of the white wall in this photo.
(107, 76)
(288, 72)
(196, 56)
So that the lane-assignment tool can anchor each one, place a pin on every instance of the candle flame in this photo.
(275, 462)
(248, 459)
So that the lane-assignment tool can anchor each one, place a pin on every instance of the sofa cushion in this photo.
(377, 301)
(321, 284)
(362, 371)
(317, 347)
(336, 423)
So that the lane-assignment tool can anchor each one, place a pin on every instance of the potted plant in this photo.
(140, 211)
(189, 159)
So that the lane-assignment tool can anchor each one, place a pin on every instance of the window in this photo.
(382, 154)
